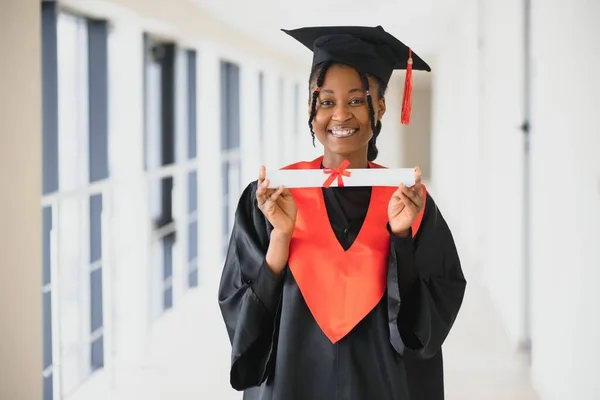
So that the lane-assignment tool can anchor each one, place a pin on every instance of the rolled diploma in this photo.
(306, 178)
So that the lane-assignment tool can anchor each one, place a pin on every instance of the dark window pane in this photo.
(224, 105)
(193, 278)
(192, 191)
(234, 107)
(95, 228)
(225, 187)
(48, 388)
(98, 99)
(49, 98)
(191, 87)
(168, 242)
(97, 360)
(168, 298)
(192, 241)
(47, 322)
(96, 299)
(46, 229)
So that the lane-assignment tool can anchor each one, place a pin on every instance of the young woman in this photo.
(341, 293)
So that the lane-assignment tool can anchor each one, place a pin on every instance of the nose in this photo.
(342, 113)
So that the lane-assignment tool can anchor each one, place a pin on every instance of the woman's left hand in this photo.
(404, 206)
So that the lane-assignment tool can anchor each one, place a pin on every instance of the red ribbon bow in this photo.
(337, 173)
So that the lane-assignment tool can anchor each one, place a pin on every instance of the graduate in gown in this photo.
(333, 292)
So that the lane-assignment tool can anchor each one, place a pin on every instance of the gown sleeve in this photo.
(249, 295)
(426, 287)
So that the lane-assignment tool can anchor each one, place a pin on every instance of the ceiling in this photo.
(419, 24)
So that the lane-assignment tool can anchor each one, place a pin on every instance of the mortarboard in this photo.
(370, 50)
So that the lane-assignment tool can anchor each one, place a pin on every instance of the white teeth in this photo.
(342, 132)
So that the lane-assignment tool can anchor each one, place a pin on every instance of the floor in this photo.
(187, 357)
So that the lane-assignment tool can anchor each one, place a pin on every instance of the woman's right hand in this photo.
(278, 206)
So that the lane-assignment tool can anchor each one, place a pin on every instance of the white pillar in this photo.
(210, 256)
(20, 202)
(565, 200)
(129, 219)
(250, 122)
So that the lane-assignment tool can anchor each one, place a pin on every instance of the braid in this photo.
(321, 70)
(375, 126)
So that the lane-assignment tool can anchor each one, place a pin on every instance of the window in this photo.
(49, 184)
(192, 177)
(75, 183)
(160, 153)
(230, 143)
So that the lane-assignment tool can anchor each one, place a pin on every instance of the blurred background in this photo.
(128, 129)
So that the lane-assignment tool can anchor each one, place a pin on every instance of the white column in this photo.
(180, 186)
(210, 256)
(20, 202)
(565, 200)
(271, 151)
(502, 170)
(129, 219)
(250, 120)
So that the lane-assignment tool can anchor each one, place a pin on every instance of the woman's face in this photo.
(342, 123)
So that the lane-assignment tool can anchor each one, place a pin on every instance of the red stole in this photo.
(340, 287)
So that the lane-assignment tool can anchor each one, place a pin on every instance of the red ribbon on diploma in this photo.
(338, 173)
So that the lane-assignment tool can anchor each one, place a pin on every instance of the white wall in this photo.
(455, 183)
(566, 199)
(478, 173)
(20, 202)
(502, 59)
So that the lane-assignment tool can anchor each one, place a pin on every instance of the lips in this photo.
(342, 132)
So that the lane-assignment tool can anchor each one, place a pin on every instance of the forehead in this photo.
(341, 76)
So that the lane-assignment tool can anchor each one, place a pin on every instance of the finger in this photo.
(417, 184)
(408, 202)
(409, 192)
(262, 192)
(275, 195)
(262, 173)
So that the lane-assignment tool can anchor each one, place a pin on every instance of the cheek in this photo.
(321, 120)
(362, 115)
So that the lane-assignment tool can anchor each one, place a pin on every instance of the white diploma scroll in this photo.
(307, 178)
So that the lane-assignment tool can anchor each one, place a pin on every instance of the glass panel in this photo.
(95, 228)
(46, 229)
(96, 319)
(192, 241)
(191, 91)
(192, 191)
(47, 322)
(168, 298)
(97, 350)
(193, 275)
(48, 388)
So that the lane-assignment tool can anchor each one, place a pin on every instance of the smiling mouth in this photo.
(341, 133)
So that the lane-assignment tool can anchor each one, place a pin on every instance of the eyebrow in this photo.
(351, 91)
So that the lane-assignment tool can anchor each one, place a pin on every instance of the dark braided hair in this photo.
(317, 77)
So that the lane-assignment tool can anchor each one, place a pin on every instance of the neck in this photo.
(332, 160)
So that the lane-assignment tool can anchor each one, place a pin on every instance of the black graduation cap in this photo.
(370, 50)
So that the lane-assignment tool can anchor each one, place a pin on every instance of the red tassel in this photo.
(407, 101)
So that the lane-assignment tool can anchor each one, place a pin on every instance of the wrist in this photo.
(403, 233)
(278, 251)
(280, 236)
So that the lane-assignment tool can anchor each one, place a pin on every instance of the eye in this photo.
(326, 103)
(356, 102)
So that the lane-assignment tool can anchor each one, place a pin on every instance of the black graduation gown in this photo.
(280, 353)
